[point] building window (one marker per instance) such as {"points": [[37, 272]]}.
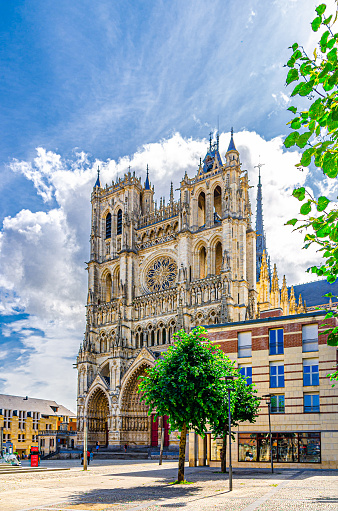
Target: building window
{"points": [[246, 372], [286, 447], [310, 338], [278, 404], [22, 419], [244, 344], [276, 341], [119, 222], [108, 226], [35, 420], [311, 403], [310, 372], [276, 375], [7, 419], [309, 447]]}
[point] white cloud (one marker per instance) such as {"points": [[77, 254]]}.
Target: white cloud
{"points": [[42, 254]]}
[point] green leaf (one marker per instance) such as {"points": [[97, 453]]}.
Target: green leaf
{"points": [[297, 55], [323, 41], [329, 166], [291, 139], [292, 76], [306, 157], [332, 339], [316, 23], [322, 203], [294, 46], [292, 222], [296, 89], [292, 109], [306, 208], [332, 55], [327, 20], [303, 139], [320, 9], [306, 88], [296, 123], [299, 193]]}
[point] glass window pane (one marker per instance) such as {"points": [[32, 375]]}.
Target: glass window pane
{"points": [[247, 447], [309, 447], [287, 449], [216, 446]]}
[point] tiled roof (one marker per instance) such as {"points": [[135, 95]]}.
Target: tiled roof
{"points": [[43, 406]]}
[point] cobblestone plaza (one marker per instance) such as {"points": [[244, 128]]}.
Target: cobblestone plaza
{"points": [[134, 486]]}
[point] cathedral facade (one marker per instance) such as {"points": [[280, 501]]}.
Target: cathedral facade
{"points": [[152, 271], [156, 269]]}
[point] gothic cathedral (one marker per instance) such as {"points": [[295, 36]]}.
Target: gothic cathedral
{"points": [[156, 269]]}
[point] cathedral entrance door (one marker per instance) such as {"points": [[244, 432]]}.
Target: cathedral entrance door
{"points": [[154, 431], [97, 414], [136, 424]]}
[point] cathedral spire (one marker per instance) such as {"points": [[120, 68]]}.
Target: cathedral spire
{"points": [[260, 240], [232, 146], [98, 178], [171, 193], [147, 184]]}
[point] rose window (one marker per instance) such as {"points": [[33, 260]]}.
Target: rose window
{"points": [[162, 274]]}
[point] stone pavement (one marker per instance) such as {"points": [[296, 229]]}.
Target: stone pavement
{"points": [[145, 486]]}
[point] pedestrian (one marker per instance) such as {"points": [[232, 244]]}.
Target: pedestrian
{"points": [[88, 457], [97, 447], [125, 447]]}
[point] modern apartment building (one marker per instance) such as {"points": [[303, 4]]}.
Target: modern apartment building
{"points": [[288, 358]]}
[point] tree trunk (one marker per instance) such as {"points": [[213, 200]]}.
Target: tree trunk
{"points": [[181, 459], [224, 452]]}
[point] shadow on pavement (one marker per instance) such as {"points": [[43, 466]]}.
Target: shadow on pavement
{"points": [[149, 493]]}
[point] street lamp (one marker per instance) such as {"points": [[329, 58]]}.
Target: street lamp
{"points": [[268, 402], [229, 389], [85, 443]]}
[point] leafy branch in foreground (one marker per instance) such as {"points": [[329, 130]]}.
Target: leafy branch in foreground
{"points": [[315, 132]]}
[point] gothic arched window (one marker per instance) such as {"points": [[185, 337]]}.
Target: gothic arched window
{"points": [[201, 210], [218, 258], [108, 226], [119, 222]]}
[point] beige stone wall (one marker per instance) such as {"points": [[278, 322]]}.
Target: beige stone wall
{"points": [[294, 419]]}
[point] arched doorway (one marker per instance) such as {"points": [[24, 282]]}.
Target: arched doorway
{"points": [[135, 424], [98, 414]]}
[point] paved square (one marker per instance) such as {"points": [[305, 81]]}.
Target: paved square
{"points": [[144, 485]]}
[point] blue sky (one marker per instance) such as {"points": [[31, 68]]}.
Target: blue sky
{"points": [[119, 83]]}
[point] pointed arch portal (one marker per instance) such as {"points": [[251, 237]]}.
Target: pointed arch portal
{"points": [[135, 420], [97, 415]]}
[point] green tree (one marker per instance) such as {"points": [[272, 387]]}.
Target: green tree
{"points": [[244, 405], [186, 385], [315, 131]]}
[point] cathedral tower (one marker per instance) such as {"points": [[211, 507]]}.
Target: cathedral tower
{"points": [[154, 270]]}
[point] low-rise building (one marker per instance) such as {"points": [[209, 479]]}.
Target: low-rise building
{"points": [[24, 419], [288, 358]]}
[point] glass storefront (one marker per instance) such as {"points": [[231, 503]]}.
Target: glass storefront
{"points": [[286, 447]]}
